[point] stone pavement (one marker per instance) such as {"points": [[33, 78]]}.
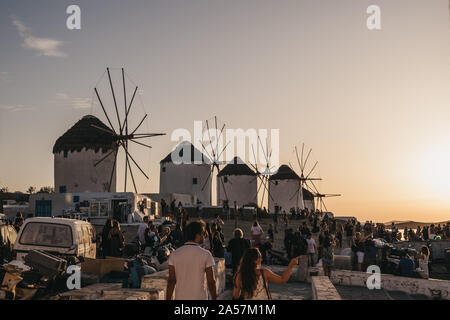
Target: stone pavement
{"points": [[288, 291]]}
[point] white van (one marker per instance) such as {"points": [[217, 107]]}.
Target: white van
{"points": [[57, 236]]}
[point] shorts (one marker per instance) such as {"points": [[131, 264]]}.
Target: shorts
{"points": [[360, 256], [327, 262]]}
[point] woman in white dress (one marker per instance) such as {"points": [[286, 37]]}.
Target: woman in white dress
{"points": [[252, 282], [424, 257]]}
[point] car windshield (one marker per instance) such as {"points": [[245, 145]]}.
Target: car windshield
{"points": [[47, 234]]}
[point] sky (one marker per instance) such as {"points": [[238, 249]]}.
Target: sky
{"points": [[373, 105]]}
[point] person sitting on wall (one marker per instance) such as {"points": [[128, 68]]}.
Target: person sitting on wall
{"points": [[405, 267]]}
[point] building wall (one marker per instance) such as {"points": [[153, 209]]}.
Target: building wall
{"points": [[239, 188], [179, 179], [282, 194], [78, 174], [64, 202]]}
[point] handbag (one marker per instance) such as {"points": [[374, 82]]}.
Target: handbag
{"points": [[266, 286]]}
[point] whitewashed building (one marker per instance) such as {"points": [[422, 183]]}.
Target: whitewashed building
{"points": [[284, 191], [240, 184], [188, 174], [126, 207], [75, 154]]}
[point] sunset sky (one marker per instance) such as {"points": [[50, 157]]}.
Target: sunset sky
{"points": [[373, 105]]}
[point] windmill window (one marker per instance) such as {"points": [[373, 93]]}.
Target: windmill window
{"points": [[76, 199], [225, 179], [66, 153], [194, 181], [62, 189], [163, 169]]}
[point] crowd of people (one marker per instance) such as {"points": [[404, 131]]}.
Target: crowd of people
{"points": [[192, 264], [112, 239], [197, 243]]}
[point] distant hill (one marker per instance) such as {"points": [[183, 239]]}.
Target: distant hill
{"points": [[413, 224]]}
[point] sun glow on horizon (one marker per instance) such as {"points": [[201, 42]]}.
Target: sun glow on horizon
{"points": [[435, 170]]}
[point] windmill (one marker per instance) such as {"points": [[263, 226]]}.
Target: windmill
{"points": [[214, 151], [264, 175], [122, 133], [304, 177], [319, 196]]}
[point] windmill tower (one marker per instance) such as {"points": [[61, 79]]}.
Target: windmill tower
{"points": [[75, 154], [281, 187], [239, 184], [189, 173], [86, 155]]}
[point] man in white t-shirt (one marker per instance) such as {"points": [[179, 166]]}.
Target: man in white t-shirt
{"points": [[188, 266], [141, 231], [311, 249]]}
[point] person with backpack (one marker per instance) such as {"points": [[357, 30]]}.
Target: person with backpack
{"points": [[237, 246], [218, 250], [116, 239], [328, 253]]}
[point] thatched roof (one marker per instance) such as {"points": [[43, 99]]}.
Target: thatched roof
{"points": [[83, 135], [236, 168], [195, 154], [307, 195], [285, 173]]}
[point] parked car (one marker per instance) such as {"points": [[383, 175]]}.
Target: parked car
{"points": [[58, 236], [8, 237]]}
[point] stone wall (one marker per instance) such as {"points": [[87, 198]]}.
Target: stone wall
{"points": [[112, 291], [432, 288], [323, 289]]}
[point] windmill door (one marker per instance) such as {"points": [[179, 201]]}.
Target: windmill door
{"points": [[43, 208]]}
